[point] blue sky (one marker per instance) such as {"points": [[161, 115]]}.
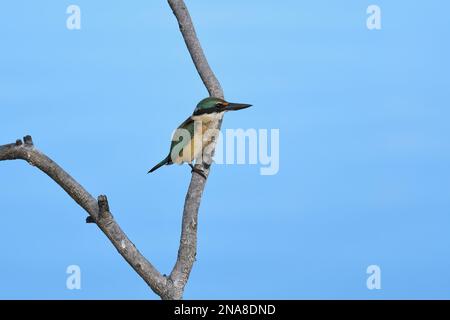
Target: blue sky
{"points": [[364, 147]]}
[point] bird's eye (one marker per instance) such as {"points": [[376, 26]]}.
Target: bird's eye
{"points": [[219, 104]]}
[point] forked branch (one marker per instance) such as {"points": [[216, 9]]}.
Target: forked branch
{"points": [[171, 287]]}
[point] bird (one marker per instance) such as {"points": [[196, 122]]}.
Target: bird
{"points": [[190, 139]]}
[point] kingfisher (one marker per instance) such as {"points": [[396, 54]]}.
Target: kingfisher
{"points": [[191, 137]]}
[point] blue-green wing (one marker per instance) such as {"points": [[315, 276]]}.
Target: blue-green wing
{"points": [[182, 137]]}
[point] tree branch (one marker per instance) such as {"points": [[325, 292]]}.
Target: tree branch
{"points": [[195, 49], [188, 242], [98, 211], [171, 287]]}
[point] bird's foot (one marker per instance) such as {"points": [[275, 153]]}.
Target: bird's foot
{"points": [[198, 171]]}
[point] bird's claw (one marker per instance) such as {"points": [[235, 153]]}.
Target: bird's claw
{"points": [[198, 171]]}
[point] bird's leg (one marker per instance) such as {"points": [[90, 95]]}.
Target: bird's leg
{"points": [[199, 171]]}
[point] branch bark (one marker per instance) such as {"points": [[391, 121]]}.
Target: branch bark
{"points": [[98, 211], [188, 242], [195, 49], [171, 287]]}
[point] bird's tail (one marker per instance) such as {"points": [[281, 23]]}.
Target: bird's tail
{"points": [[159, 165]]}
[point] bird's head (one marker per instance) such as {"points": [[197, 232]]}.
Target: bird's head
{"points": [[216, 105]]}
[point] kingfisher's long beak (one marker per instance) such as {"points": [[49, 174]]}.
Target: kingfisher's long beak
{"points": [[236, 106]]}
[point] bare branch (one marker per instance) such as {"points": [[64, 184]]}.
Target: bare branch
{"points": [[27, 152], [98, 211], [188, 242], [195, 49]]}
